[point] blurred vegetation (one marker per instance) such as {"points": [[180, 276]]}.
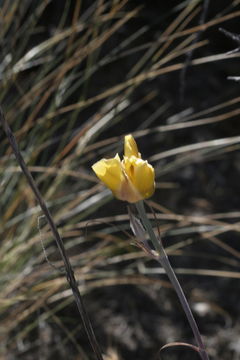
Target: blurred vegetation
{"points": [[75, 77]]}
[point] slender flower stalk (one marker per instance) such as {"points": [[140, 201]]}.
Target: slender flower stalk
{"points": [[162, 258]]}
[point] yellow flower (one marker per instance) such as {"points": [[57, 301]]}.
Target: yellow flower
{"points": [[131, 179]]}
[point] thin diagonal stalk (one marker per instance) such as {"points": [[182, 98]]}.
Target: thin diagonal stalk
{"points": [[163, 260], [68, 268], [156, 243], [177, 287]]}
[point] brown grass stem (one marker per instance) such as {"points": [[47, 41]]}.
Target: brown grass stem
{"points": [[68, 268]]}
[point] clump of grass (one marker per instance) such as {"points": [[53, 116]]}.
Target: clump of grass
{"points": [[69, 88]]}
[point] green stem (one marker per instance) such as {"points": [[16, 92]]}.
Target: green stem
{"points": [[175, 283], [163, 260], [156, 243]]}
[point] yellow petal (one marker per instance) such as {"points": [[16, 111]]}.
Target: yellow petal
{"points": [[144, 179], [141, 175], [132, 179], [109, 171], [130, 147]]}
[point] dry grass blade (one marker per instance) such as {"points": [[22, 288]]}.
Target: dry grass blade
{"points": [[68, 268]]}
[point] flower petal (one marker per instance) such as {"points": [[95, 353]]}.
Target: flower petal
{"points": [[132, 179], [130, 147], [109, 171], [141, 175], [144, 179]]}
